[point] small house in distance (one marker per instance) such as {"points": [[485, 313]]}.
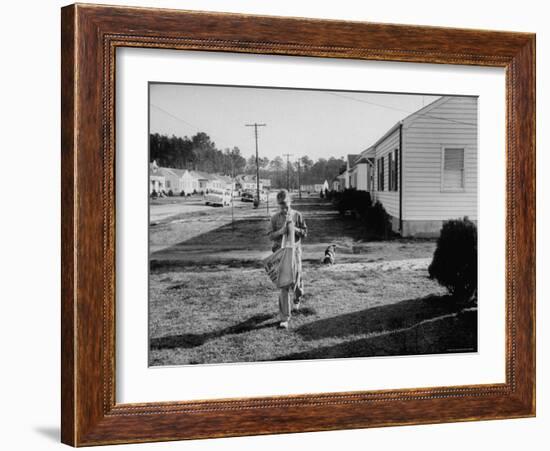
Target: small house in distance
{"points": [[189, 182], [424, 169], [349, 170], [173, 179], [339, 182], [266, 183], [247, 182], [156, 178]]}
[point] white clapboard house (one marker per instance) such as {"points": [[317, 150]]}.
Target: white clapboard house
{"points": [[156, 178], [424, 169]]}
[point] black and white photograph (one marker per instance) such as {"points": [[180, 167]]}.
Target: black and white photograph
{"points": [[299, 224]]}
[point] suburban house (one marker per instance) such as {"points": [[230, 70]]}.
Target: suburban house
{"points": [[227, 182], [184, 181], [339, 182], [215, 182], [205, 181], [156, 178], [359, 175], [424, 169], [246, 182], [172, 179], [346, 175], [307, 188], [318, 187], [189, 182]]}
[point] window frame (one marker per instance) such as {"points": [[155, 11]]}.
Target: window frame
{"points": [[390, 170], [442, 173], [380, 174], [393, 177]]}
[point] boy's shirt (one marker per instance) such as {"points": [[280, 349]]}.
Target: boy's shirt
{"points": [[278, 220]]}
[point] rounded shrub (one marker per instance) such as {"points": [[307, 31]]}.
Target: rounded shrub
{"points": [[378, 221], [454, 263], [352, 200]]}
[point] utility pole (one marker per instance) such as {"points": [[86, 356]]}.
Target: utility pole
{"points": [[256, 125], [232, 185], [299, 182], [287, 155]]}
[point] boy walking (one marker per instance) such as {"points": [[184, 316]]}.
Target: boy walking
{"points": [[282, 223]]}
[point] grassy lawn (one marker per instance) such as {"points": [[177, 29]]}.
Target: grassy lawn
{"points": [[211, 301]]}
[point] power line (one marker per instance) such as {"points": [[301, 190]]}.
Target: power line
{"points": [[175, 117], [398, 109]]}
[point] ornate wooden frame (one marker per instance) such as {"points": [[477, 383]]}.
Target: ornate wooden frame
{"points": [[90, 36]]}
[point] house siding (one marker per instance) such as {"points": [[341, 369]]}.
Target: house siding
{"points": [[361, 171], [423, 140], [189, 183], [172, 181]]}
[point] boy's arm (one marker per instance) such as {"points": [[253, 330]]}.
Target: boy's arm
{"points": [[275, 233], [300, 229]]}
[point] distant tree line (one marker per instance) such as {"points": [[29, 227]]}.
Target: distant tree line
{"points": [[200, 153]]}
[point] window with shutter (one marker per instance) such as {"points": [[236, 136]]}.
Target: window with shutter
{"points": [[453, 169], [378, 174], [395, 170], [390, 171], [381, 174]]}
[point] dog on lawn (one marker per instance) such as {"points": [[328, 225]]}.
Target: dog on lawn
{"points": [[330, 255]]}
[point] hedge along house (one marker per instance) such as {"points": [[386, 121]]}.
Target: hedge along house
{"points": [[424, 169]]}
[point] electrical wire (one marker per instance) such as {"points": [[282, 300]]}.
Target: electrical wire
{"points": [[398, 109]]}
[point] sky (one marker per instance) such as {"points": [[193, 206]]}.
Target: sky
{"points": [[319, 124]]}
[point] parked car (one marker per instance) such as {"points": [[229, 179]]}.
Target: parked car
{"points": [[247, 196], [218, 197]]}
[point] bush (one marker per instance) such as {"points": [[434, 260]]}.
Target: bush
{"points": [[352, 200], [378, 221], [454, 263], [170, 193]]}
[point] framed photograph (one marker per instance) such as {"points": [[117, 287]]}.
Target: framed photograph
{"points": [[278, 225]]}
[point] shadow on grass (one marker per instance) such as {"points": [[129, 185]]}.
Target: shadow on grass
{"points": [[453, 333], [400, 315], [193, 340], [304, 311], [324, 225]]}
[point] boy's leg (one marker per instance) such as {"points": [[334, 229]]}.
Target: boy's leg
{"points": [[284, 304], [299, 285]]}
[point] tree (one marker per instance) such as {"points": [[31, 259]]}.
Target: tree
{"points": [[263, 162], [200, 153], [305, 164], [275, 168], [251, 165], [239, 161]]}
